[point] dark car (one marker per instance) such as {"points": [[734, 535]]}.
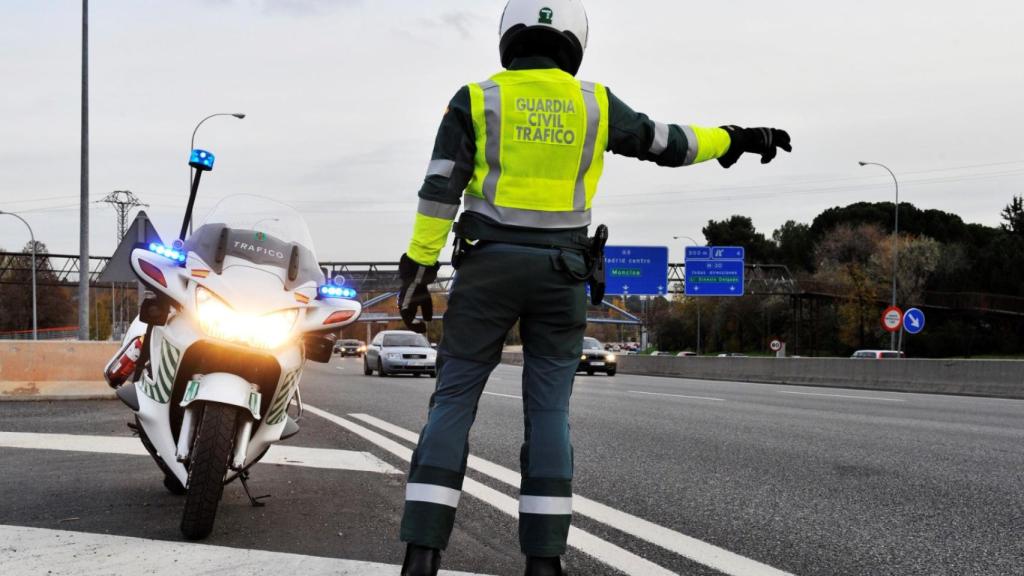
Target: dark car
{"points": [[349, 348], [596, 359]]}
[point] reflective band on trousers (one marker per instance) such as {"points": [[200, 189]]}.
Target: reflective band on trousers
{"points": [[660, 143], [432, 494], [548, 505]]}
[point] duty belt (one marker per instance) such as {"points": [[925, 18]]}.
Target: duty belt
{"points": [[470, 233]]}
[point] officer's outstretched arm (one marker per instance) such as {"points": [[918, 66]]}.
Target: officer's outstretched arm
{"points": [[635, 135]]}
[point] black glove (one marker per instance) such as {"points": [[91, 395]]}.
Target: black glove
{"points": [[763, 141], [414, 294]]}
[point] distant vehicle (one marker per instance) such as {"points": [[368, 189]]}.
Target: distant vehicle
{"points": [[349, 348], [878, 354], [732, 355], [596, 359], [400, 352], [686, 354]]}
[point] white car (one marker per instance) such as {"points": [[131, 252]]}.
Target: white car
{"points": [[400, 352]]}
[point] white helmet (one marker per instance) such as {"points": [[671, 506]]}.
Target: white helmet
{"points": [[555, 28]]}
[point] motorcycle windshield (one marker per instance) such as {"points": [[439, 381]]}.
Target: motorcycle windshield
{"points": [[261, 231]]}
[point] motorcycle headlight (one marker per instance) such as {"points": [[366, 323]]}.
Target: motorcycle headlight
{"points": [[220, 321]]}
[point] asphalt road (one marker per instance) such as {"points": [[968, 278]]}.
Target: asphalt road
{"points": [[685, 475]]}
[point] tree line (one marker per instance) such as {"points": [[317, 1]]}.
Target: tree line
{"points": [[969, 278]]}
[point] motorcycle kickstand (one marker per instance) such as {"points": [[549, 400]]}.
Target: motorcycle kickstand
{"points": [[255, 501]]}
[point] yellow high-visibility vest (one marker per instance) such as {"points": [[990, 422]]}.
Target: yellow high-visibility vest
{"points": [[540, 142]]}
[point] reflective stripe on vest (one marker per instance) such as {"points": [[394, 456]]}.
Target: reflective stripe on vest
{"points": [[541, 137]]}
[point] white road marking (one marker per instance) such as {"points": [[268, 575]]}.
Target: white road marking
{"points": [[842, 396], [126, 445], [678, 396], [504, 395], [686, 546], [604, 551], [30, 551]]}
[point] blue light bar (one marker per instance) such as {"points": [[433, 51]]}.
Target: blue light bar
{"points": [[169, 253], [202, 160], [337, 292]]}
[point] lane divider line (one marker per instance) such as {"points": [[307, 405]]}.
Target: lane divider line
{"points": [[603, 551], [678, 396], [877, 398], [29, 550], [686, 546], [328, 459]]}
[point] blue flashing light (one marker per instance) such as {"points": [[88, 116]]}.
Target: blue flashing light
{"points": [[202, 160], [337, 292], [178, 256]]}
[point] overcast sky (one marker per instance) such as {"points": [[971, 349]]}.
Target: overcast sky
{"points": [[344, 96]]}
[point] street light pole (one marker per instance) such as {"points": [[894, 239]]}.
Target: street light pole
{"points": [[83, 212], [192, 146], [35, 318], [895, 240], [695, 243]]}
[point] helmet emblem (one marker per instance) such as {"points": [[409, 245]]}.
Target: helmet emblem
{"points": [[547, 16]]}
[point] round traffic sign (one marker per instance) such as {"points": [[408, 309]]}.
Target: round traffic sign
{"points": [[913, 321], [776, 345], [892, 319]]}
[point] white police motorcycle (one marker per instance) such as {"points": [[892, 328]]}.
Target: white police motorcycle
{"points": [[213, 362]]}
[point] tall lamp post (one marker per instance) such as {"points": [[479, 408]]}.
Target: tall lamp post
{"points": [[35, 323], [895, 240], [695, 243], [192, 144]]}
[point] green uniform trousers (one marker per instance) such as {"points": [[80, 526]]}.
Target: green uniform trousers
{"points": [[497, 285]]}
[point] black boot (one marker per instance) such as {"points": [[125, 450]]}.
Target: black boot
{"points": [[421, 561], [548, 566]]}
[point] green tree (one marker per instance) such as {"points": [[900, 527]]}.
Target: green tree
{"points": [[795, 246], [740, 231], [1013, 216]]}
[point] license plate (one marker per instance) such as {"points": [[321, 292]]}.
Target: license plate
{"points": [[597, 363]]}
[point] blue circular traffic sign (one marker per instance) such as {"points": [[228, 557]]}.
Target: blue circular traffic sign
{"points": [[913, 321]]}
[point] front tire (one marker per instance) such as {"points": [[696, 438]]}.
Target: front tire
{"points": [[367, 371], [380, 369], [211, 450]]}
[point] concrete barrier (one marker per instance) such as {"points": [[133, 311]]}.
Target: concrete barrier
{"points": [[54, 370], [994, 378]]}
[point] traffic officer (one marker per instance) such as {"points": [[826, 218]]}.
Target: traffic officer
{"points": [[523, 153]]}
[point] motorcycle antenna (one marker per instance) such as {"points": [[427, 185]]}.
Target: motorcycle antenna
{"points": [[202, 161]]}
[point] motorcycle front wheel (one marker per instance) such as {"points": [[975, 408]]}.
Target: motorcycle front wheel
{"points": [[215, 439]]}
